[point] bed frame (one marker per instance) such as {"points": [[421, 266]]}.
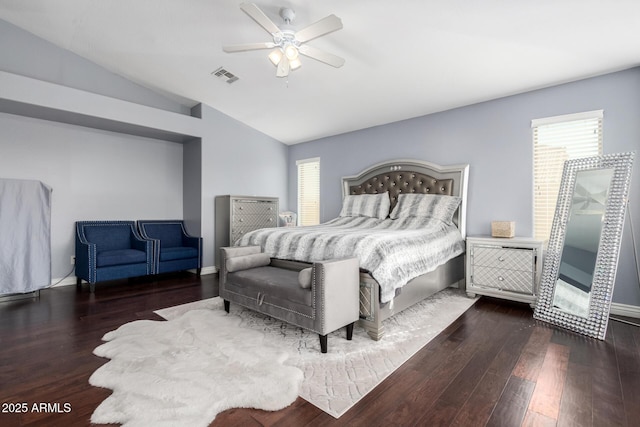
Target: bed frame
{"points": [[409, 176]]}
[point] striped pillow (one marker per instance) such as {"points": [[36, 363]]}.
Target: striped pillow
{"points": [[370, 205], [426, 205]]}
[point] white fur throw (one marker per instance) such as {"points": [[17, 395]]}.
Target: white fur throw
{"points": [[187, 370]]}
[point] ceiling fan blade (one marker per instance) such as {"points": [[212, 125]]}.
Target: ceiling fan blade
{"points": [[248, 46], [324, 26], [283, 67], [258, 15], [321, 55]]}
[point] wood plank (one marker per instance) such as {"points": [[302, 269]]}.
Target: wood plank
{"points": [[403, 394], [473, 376], [481, 403], [534, 419], [533, 355], [627, 349], [608, 400], [512, 405], [576, 407], [550, 382], [434, 374]]}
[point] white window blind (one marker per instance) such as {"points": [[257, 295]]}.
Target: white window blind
{"points": [[556, 139], [308, 191]]}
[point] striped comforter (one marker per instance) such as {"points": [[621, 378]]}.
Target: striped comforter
{"points": [[393, 251]]}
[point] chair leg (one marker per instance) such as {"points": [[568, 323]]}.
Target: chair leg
{"points": [[323, 343], [227, 305], [92, 287], [198, 270], [350, 330], [78, 283]]}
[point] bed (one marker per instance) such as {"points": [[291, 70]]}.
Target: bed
{"points": [[404, 256]]}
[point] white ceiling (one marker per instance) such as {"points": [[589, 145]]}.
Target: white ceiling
{"points": [[403, 59]]}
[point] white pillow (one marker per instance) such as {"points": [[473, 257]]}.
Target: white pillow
{"points": [[426, 206], [369, 205]]}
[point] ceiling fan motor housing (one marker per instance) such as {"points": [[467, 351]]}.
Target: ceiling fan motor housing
{"points": [[287, 15]]}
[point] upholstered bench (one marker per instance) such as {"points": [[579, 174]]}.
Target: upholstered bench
{"points": [[322, 297]]}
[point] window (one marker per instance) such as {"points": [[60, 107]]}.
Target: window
{"points": [[308, 191], [556, 139]]}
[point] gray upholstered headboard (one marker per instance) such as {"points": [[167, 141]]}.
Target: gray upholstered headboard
{"points": [[412, 176]]}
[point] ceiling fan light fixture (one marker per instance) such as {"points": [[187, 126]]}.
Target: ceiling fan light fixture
{"points": [[295, 63], [275, 56], [291, 51]]}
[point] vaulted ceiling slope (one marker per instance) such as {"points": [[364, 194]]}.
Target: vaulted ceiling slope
{"points": [[403, 59]]}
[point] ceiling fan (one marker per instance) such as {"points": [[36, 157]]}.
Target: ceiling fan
{"points": [[287, 43]]}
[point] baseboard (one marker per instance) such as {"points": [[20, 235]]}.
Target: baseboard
{"points": [[209, 270], [206, 270], [618, 309], [71, 280], [16, 297]]}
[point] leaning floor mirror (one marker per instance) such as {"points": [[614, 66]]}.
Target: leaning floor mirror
{"points": [[580, 265]]}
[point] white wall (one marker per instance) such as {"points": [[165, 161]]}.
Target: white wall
{"points": [[95, 175]]}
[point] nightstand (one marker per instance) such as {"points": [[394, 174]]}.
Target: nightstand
{"points": [[508, 268]]}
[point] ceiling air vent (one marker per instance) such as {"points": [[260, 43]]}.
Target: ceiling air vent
{"points": [[225, 75]]}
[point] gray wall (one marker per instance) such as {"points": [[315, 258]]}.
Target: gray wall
{"points": [[239, 160], [495, 139], [95, 175], [107, 175], [192, 186], [28, 55]]}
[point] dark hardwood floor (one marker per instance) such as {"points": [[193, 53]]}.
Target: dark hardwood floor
{"points": [[494, 366]]}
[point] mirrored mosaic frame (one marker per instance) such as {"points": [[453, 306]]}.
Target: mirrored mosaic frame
{"points": [[595, 325]]}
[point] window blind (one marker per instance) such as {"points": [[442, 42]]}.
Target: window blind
{"points": [[308, 191], [555, 140]]}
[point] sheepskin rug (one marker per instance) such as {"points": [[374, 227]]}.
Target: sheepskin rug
{"points": [[202, 361], [187, 370]]}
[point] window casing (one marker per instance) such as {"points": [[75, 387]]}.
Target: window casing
{"points": [[555, 140], [309, 191]]}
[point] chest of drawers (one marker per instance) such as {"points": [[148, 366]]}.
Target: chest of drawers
{"points": [[237, 215], [504, 268]]}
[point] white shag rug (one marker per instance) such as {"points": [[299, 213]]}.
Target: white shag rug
{"points": [[186, 371], [205, 361]]}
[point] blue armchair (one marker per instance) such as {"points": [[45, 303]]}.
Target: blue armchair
{"points": [[174, 249], [110, 250]]}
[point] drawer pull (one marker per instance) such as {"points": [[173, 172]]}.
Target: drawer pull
{"points": [[270, 219], [240, 220], [500, 259], [500, 278], [240, 207]]}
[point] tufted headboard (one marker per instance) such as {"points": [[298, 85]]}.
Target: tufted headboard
{"points": [[412, 176]]}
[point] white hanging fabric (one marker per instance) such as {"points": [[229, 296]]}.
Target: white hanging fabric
{"points": [[25, 236]]}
